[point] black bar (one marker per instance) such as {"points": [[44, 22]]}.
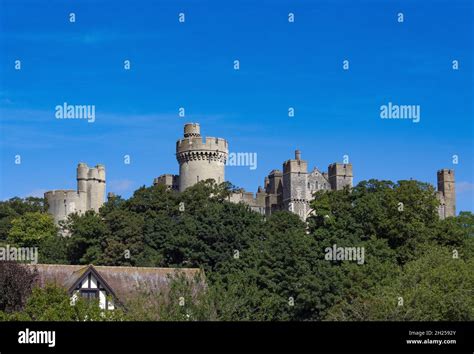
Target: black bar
{"points": [[241, 336]]}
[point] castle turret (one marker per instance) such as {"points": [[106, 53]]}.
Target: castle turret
{"points": [[446, 193], [192, 130], [92, 188], [340, 175], [82, 180], [200, 159], [298, 155], [100, 189], [82, 171], [295, 178]]}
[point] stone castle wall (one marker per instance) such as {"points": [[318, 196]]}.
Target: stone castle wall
{"points": [[61, 203]]}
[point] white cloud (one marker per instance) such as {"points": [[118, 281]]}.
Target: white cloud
{"points": [[464, 187], [119, 185], [38, 193]]}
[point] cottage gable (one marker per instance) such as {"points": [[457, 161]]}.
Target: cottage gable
{"points": [[91, 285]]}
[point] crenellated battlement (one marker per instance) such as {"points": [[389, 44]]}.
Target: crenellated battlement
{"points": [[340, 175], [295, 166], [255, 202], [168, 180], [86, 173], [199, 143], [61, 194], [445, 175]]}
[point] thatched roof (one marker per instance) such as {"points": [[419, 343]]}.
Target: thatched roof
{"points": [[123, 281]]}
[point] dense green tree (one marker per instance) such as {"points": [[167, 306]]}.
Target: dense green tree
{"points": [[31, 229], [123, 243], [405, 214], [193, 228], [286, 268], [85, 233], [275, 268], [184, 299], [434, 287], [53, 303], [466, 220], [14, 208], [395, 223], [54, 250]]}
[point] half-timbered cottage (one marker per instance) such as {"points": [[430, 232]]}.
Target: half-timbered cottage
{"points": [[110, 285]]}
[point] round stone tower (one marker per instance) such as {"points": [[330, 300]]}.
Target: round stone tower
{"points": [[200, 159], [82, 171]]}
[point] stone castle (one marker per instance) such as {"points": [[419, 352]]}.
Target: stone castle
{"points": [[90, 194], [200, 159]]}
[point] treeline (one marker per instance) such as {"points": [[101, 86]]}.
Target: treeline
{"points": [[415, 266]]}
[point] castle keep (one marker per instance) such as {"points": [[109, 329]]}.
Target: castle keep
{"points": [[199, 158], [89, 195]]}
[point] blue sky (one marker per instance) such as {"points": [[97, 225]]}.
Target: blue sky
{"points": [[190, 65]]}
